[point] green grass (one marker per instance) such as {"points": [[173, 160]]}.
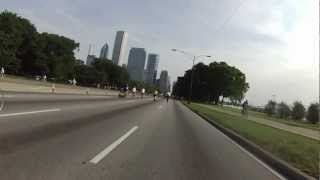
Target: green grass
{"points": [[265, 116], [299, 151]]}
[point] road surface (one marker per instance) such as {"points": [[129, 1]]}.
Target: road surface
{"points": [[74, 137]]}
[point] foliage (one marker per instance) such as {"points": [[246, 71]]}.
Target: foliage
{"points": [[313, 113], [270, 108], [24, 51], [212, 81], [284, 110], [298, 111]]}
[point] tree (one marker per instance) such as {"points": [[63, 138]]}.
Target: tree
{"points": [[18, 40], [313, 113], [298, 111], [284, 110], [270, 108], [58, 55], [211, 82]]}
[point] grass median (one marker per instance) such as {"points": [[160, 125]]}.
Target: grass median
{"points": [[299, 151]]}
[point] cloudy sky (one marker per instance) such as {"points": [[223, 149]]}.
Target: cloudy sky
{"points": [[275, 42]]}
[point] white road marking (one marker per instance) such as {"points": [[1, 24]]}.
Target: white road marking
{"points": [[253, 157], [29, 112], [111, 147]]}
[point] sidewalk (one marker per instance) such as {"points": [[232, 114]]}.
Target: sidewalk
{"points": [[313, 134], [25, 85]]}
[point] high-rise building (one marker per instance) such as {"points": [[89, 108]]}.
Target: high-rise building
{"points": [[164, 83], [136, 63], [119, 47], [90, 59], [152, 67], [104, 51]]}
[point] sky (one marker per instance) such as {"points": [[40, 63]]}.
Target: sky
{"points": [[275, 42]]}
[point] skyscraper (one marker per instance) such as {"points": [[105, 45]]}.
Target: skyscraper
{"points": [[164, 83], [152, 67], [136, 63], [119, 47], [104, 51]]}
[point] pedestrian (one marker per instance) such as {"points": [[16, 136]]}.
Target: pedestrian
{"points": [[245, 107], [44, 78], [142, 92], [134, 90], [74, 82], [155, 95], [167, 96], [2, 72]]}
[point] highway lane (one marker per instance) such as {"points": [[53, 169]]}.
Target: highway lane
{"points": [[133, 139]]}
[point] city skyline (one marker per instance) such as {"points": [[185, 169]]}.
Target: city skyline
{"points": [[136, 63], [152, 68], [120, 45], [104, 51], [257, 37]]}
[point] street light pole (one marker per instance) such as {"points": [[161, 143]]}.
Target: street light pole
{"points": [[191, 82]]}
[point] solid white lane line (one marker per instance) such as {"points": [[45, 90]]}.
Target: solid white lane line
{"points": [[29, 112], [111, 147], [253, 157]]}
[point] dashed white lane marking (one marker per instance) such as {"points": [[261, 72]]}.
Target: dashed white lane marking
{"points": [[29, 112], [111, 147]]}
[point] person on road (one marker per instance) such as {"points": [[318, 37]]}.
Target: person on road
{"points": [[2, 72], [167, 96], [134, 90], [155, 95], [142, 92]]}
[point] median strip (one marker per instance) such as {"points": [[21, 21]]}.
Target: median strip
{"points": [[30, 112], [111, 147]]}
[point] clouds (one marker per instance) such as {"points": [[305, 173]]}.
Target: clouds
{"points": [[274, 42]]}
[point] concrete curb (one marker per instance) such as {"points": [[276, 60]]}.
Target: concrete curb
{"points": [[277, 164]]}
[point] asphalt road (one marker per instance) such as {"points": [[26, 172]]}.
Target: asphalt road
{"points": [[75, 137]]}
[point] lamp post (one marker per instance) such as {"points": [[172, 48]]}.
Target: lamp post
{"points": [[193, 61]]}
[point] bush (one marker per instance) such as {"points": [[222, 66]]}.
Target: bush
{"points": [[298, 111], [284, 110], [313, 113], [270, 108]]}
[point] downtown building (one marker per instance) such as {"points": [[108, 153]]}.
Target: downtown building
{"points": [[104, 51], [136, 63], [164, 82], [120, 44], [151, 70]]}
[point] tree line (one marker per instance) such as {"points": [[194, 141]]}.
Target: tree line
{"points": [[25, 51], [297, 112], [212, 82]]}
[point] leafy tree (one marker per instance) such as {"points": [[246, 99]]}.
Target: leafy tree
{"points": [[85, 75], [284, 110], [298, 111], [18, 42], [211, 82], [58, 55], [313, 113], [270, 108]]}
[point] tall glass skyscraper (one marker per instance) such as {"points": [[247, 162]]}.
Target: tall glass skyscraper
{"points": [[136, 63], [104, 51], [164, 82], [119, 47], [152, 67]]}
